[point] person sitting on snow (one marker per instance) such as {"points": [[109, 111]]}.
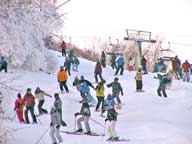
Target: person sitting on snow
{"points": [[85, 116]]}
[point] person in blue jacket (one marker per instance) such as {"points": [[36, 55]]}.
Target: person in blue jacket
{"points": [[120, 65]]}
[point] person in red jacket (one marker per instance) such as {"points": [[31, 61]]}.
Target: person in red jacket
{"points": [[29, 100], [98, 71], [19, 105], [63, 48], [186, 71]]}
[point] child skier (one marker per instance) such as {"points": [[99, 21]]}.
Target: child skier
{"points": [[19, 105], [138, 78], [85, 116], [55, 125], [111, 119]]}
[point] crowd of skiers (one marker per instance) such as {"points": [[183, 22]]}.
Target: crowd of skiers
{"points": [[83, 87]]}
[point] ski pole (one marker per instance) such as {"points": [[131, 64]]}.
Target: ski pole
{"points": [[104, 131], [42, 136], [97, 122]]}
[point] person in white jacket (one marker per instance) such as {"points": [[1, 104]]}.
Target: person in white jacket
{"points": [[55, 125]]}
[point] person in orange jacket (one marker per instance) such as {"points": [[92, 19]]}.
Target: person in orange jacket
{"points": [[62, 79], [19, 105]]}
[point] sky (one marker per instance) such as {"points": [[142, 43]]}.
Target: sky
{"points": [[104, 18]]}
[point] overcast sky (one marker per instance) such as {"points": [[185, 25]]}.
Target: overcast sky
{"points": [[170, 18]]}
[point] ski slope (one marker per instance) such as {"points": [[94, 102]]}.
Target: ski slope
{"points": [[144, 118]]}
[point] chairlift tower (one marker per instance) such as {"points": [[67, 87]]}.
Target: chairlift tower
{"points": [[139, 37]]}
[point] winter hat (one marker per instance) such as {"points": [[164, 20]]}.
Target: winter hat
{"points": [[56, 95], [61, 67], [85, 104], [109, 96], [82, 77], [19, 95], [116, 79], [28, 89]]}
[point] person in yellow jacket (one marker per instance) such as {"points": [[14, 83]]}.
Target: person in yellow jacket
{"points": [[62, 79], [138, 78], [40, 96], [100, 95]]}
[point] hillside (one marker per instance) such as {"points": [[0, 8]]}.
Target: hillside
{"points": [[145, 118]]}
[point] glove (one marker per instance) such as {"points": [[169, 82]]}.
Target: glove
{"points": [[76, 114], [63, 124], [14, 109], [122, 93], [106, 120], [51, 124], [57, 126]]}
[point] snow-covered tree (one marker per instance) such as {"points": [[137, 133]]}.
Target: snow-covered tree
{"points": [[23, 25]]}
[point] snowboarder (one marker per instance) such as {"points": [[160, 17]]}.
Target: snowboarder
{"points": [[58, 107], [163, 79], [120, 65], [144, 64], [29, 100], [63, 48], [100, 94], [40, 96], [75, 63], [138, 78], [98, 71], [62, 79], [186, 71], [55, 125], [3, 64], [85, 91], [103, 59], [85, 116], [116, 89], [19, 105], [111, 120]]}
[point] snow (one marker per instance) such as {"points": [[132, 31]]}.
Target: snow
{"points": [[145, 118]]}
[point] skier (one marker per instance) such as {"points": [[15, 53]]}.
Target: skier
{"points": [[29, 100], [40, 96], [103, 59], [163, 79], [67, 65], [108, 103], [100, 95], [58, 107], [98, 71], [19, 105], [113, 60], [3, 64], [116, 89], [186, 71], [144, 65], [55, 125], [62, 79], [138, 78], [75, 63], [63, 48], [77, 84], [111, 119], [71, 56], [176, 63], [120, 65], [85, 116], [85, 91]]}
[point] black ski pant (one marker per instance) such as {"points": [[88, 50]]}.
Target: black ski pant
{"points": [[139, 84], [162, 88], [121, 68], [3, 68], [100, 101], [63, 52], [40, 109], [63, 84], [103, 63], [100, 76], [31, 109]]}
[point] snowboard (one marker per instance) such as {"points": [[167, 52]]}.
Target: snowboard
{"points": [[120, 140], [81, 133]]}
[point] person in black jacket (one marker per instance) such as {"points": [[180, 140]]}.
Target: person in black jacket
{"points": [[111, 119], [85, 116]]}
